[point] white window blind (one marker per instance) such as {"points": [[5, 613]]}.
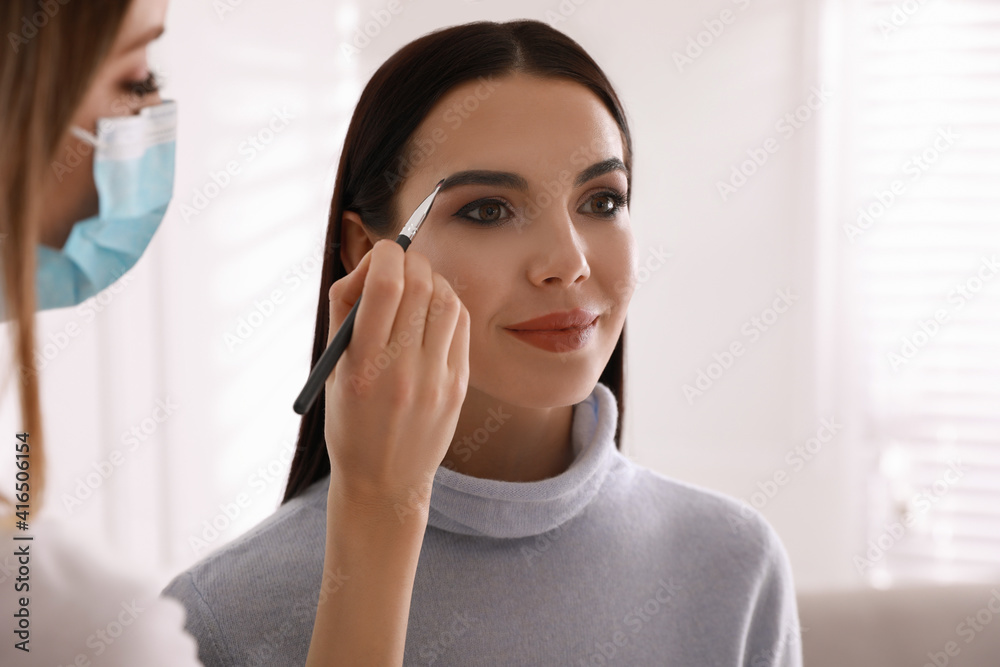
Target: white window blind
{"points": [[920, 237]]}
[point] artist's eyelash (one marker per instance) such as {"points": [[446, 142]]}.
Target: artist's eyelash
{"points": [[147, 86], [620, 202]]}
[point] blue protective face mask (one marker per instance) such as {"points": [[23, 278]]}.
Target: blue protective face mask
{"points": [[134, 175]]}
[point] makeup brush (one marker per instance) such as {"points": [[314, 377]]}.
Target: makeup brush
{"points": [[321, 371]]}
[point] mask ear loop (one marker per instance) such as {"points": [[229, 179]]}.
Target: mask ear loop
{"points": [[81, 133]]}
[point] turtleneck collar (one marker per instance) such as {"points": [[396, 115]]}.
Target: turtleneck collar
{"points": [[493, 508]]}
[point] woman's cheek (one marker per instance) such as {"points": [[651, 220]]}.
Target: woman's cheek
{"points": [[632, 261], [621, 273]]}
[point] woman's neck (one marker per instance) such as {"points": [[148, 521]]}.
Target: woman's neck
{"points": [[495, 440]]}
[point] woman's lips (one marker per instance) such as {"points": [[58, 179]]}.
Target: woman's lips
{"points": [[558, 340], [578, 317]]}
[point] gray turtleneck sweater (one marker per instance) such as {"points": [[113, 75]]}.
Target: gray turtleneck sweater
{"points": [[608, 563]]}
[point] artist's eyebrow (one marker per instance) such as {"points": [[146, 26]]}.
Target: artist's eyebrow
{"points": [[507, 179], [143, 39]]}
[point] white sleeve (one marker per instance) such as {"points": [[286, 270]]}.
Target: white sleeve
{"points": [[79, 611]]}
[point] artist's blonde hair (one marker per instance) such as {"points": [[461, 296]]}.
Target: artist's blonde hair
{"points": [[50, 55]]}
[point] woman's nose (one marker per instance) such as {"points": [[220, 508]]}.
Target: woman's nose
{"points": [[561, 249]]}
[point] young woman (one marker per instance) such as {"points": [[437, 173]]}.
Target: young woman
{"points": [[66, 66], [487, 367]]}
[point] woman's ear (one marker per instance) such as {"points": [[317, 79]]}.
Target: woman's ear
{"points": [[354, 241]]}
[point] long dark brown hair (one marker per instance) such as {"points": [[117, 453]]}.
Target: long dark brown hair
{"points": [[372, 164]]}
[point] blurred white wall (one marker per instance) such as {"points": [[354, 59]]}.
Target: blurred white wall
{"points": [[247, 243]]}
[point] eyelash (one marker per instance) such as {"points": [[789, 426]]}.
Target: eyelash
{"points": [[620, 202], [147, 86]]}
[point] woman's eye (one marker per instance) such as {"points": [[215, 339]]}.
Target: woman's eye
{"points": [[608, 204], [488, 211]]}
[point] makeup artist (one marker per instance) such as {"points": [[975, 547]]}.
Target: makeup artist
{"points": [[86, 172]]}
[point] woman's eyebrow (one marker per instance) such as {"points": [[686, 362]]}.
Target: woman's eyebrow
{"points": [[507, 179], [599, 169]]}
